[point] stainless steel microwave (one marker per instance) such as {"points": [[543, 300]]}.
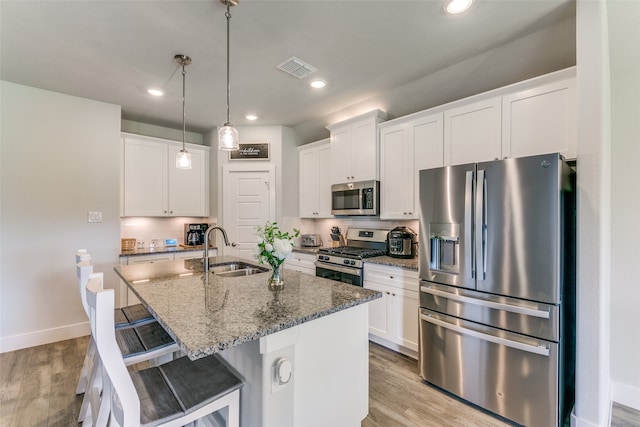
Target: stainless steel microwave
{"points": [[356, 198]]}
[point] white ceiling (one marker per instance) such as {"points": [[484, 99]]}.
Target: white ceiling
{"points": [[113, 51]]}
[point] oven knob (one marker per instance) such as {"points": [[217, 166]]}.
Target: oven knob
{"points": [[346, 261], [352, 262]]}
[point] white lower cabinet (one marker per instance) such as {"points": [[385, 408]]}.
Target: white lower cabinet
{"points": [[302, 262], [393, 319]]}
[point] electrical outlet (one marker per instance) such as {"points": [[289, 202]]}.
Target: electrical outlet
{"points": [[94, 216]]}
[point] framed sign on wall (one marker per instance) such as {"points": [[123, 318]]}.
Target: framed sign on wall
{"points": [[251, 151]]}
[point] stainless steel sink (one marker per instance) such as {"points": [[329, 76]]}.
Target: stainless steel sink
{"points": [[225, 269], [233, 269]]}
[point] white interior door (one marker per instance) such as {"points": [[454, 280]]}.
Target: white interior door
{"points": [[248, 201]]}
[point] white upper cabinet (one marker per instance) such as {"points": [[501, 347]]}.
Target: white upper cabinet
{"points": [[537, 116], [472, 132], [354, 148], [540, 120], [406, 147], [315, 185], [188, 188], [153, 186]]}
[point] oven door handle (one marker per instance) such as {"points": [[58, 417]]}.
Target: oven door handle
{"points": [[541, 350], [340, 269]]}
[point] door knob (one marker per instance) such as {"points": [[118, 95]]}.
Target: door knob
{"points": [[234, 244]]}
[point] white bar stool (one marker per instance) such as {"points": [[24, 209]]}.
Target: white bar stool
{"points": [[174, 394]]}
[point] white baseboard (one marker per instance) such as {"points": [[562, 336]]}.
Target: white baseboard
{"points": [[625, 395], [47, 336], [393, 346], [577, 421]]}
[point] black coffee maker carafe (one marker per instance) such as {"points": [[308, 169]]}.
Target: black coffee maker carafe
{"points": [[194, 234]]}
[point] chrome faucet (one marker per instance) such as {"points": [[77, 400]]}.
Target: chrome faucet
{"points": [[206, 243]]}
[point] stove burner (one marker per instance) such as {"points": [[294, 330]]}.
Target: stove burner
{"points": [[353, 251]]}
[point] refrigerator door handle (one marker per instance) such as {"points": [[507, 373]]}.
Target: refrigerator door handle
{"points": [[469, 254], [479, 228], [544, 314], [541, 350]]}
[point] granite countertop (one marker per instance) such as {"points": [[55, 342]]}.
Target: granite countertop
{"points": [[408, 263], [208, 313], [163, 249], [306, 249]]}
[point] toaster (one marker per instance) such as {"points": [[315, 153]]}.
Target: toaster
{"points": [[310, 240]]}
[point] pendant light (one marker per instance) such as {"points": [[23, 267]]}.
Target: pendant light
{"points": [[228, 135], [183, 158]]}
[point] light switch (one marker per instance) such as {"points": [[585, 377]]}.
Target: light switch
{"points": [[94, 216]]}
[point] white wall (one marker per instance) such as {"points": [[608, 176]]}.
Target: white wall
{"points": [[282, 153], [624, 37], [161, 132], [60, 157], [593, 263]]}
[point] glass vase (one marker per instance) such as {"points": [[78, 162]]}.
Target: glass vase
{"points": [[275, 281]]}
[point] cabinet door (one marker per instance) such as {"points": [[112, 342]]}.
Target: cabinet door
{"points": [[145, 178], [341, 155], [364, 150], [428, 152], [540, 120], [472, 133], [324, 182], [379, 311], [188, 188], [405, 309], [308, 163], [396, 173]]}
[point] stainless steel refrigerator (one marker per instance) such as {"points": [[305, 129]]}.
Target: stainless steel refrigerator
{"points": [[497, 290]]}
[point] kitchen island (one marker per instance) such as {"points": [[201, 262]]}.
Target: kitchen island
{"points": [[302, 351]]}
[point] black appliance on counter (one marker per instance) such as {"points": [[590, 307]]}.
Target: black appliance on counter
{"points": [[344, 263], [194, 234], [401, 243]]}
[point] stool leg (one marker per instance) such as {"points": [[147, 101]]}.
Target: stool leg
{"points": [[86, 366]]}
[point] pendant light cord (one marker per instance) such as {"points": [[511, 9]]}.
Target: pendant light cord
{"points": [[184, 117], [228, 15]]}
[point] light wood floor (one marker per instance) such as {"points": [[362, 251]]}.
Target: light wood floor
{"points": [[37, 389]]}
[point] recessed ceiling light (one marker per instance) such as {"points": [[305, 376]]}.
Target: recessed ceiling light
{"points": [[251, 117], [457, 6], [155, 92], [317, 84]]}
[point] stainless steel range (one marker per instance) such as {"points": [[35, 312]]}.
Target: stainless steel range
{"points": [[344, 263]]}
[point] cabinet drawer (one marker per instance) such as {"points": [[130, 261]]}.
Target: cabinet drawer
{"points": [[193, 254], [297, 260], [150, 258], [392, 276]]}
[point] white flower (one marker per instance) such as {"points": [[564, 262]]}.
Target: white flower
{"points": [[283, 247], [260, 240], [268, 247]]}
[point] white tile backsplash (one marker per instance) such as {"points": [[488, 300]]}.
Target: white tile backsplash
{"points": [[146, 229]]}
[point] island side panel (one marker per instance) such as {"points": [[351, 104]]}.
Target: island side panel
{"points": [[332, 370], [329, 385]]}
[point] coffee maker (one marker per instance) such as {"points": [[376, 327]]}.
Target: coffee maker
{"points": [[194, 234]]}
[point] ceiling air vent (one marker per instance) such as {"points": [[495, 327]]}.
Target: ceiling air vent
{"points": [[297, 67]]}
